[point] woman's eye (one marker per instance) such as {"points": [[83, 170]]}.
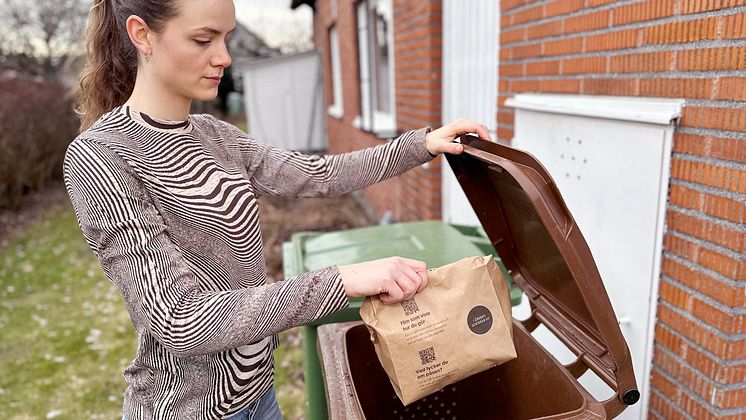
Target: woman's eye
{"points": [[202, 41]]}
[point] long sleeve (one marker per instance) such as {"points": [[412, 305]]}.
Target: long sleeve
{"points": [[162, 294], [274, 171]]}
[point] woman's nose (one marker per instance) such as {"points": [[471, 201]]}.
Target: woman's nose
{"points": [[222, 58]]}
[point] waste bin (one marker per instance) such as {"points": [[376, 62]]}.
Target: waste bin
{"points": [[434, 242], [524, 216]]}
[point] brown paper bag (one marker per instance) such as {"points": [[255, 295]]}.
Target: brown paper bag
{"points": [[461, 324]]}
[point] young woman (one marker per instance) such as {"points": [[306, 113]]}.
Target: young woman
{"points": [[167, 202]]}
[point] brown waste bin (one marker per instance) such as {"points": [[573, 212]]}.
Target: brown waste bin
{"points": [[536, 237]]}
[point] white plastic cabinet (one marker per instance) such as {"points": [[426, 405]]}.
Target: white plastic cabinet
{"points": [[610, 158]]}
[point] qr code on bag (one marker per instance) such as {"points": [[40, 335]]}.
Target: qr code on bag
{"points": [[427, 355], [410, 306]]}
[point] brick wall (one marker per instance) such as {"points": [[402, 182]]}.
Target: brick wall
{"points": [[668, 48], [417, 48]]}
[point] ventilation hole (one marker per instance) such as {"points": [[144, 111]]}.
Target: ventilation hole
{"points": [[453, 389], [585, 160], [562, 156], [435, 398], [572, 158], [567, 175], [578, 176], [567, 138], [580, 141], [442, 405], [453, 403], [448, 411]]}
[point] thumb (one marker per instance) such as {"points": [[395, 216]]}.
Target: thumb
{"points": [[455, 148]]}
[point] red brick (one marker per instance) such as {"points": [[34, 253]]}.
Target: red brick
{"points": [[692, 356], [505, 117], [724, 264], [542, 67], [528, 15], [584, 65], [641, 62], [563, 46], [721, 148], [596, 3], [725, 293], [612, 40], [734, 26], [722, 321], [504, 133], [699, 6], [511, 36], [714, 343], [731, 88], [711, 59], [562, 7], [706, 230], [643, 11], [626, 87], [517, 86], [525, 51], [676, 88], [717, 206], [561, 86], [506, 5], [678, 32], [512, 70], [587, 22], [730, 179], [544, 30]]}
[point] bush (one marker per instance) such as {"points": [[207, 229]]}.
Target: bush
{"points": [[37, 122]]}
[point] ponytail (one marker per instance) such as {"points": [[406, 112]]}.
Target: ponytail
{"points": [[108, 75]]}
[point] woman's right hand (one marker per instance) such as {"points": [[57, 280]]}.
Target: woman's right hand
{"points": [[393, 279]]}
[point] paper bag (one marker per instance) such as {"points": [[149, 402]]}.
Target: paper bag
{"points": [[461, 324]]}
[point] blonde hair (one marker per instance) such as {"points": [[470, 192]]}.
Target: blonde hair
{"points": [[108, 75]]}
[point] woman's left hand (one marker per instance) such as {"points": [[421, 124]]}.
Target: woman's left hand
{"points": [[441, 140]]}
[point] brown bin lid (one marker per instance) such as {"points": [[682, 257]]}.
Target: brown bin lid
{"points": [[529, 225]]}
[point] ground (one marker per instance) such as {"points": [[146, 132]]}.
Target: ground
{"points": [[65, 334]]}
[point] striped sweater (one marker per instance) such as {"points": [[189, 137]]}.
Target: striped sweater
{"points": [[170, 209]]}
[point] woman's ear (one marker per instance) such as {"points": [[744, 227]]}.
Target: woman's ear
{"points": [[139, 34]]}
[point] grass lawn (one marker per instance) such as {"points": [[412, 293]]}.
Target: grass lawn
{"points": [[65, 337]]}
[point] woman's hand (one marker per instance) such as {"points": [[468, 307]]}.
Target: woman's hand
{"points": [[393, 279], [441, 140]]}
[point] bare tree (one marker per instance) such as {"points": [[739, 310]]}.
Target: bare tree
{"points": [[37, 35]]}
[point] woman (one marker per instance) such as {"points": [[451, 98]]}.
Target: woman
{"points": [[167, 201]]}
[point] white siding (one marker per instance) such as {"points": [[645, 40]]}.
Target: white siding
{"points": [[284, 102], [470, 57]]}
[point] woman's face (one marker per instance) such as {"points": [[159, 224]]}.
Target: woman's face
{"points": [[190, 54]]}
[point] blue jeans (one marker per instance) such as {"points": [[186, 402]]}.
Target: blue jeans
{"points": [[265, 408]]}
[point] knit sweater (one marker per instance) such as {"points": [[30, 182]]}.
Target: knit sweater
{"points": [[170, 209]]}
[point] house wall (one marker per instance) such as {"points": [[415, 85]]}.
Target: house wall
{"points": [[667, 48], [417, 47]]}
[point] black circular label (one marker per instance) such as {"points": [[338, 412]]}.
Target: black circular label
{"points": [[479, 320]]}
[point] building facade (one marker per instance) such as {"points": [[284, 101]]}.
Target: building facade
{"points": [[383, 69]]}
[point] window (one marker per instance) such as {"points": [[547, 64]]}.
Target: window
{"points": [[376, 50], [336, 108]]}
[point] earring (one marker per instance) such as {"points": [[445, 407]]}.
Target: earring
{"points": [[147, 56]]}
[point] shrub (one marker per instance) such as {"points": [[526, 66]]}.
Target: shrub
{"points": [[37, 122]]}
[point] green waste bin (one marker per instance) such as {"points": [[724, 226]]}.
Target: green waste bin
{"points": [[434, 242]]}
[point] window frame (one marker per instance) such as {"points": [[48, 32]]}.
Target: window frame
{"points": [[371, 119]]}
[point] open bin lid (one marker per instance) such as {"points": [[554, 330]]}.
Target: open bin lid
{"points": [[529, 225]]}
